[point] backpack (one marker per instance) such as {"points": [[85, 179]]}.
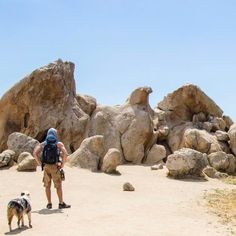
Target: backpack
{"points": [[50, 153]]}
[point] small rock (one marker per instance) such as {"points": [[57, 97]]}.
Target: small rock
{"points": [[128, 187], [157, 167], [26, 162], [213, 173], [6, 158]]}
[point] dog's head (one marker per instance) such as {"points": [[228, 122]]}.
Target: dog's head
{"points": [[25, 194]]}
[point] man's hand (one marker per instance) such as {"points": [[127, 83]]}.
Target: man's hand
{"points": [[36, 154], [60, 165]]}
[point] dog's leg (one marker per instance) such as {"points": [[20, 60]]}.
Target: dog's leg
{"points": [[29, 218], [22, 221], [9, 217], [18, 220]]}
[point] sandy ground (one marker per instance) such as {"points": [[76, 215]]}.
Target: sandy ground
{"points": [[159, 205]]}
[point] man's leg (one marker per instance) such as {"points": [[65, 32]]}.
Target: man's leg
{"points": [[59, 193], [48, 192], [62, 204], [47, 179], [58, 184]]}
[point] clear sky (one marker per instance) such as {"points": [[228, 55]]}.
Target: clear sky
{"points": [[119, 45]]}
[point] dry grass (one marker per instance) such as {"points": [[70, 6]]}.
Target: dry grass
{"points": [[223, 204], [229, 180]]}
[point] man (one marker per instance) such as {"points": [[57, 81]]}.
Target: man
{"points": [[51, 163]]}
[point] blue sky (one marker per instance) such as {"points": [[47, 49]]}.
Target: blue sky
{"points": [[119, 45]]}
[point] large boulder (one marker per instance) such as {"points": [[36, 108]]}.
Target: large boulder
{"points": [[87, 103], [186, 135], [128, 127], [228, 121], [111, 160], [232, 138], [181, 105], [218, 123], [7, 158], [199, 117], [156, 154], [175, 137], [222, 136], [89, 154], [46, 98], [137, 135], [26, 162], [19, 143], [103, 123], [222, 161], [186, 162], [194, 121], [201, 141], [225, 147]]}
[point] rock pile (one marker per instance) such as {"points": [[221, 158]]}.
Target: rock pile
{"points": [[187, 130]]}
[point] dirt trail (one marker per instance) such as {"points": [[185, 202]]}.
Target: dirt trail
{"points": [[158, 206]]}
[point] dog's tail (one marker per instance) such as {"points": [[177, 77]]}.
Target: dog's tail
{"points": [[11, 212], [14, 207]]}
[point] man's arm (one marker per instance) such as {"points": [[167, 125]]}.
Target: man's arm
{"points": [[36, 153], [64, 153]]}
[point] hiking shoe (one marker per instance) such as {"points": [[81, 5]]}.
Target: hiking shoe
{"points": [[63, 205], [49, 206]]}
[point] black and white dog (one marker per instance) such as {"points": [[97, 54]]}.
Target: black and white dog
{"points": [[19, 207]]}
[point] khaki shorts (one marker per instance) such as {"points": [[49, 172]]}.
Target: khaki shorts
{"points": [[51, 172]]}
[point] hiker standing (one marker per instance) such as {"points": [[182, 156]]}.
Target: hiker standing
{"points": [[53, 158]]}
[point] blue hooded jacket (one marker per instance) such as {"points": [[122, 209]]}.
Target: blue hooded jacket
{"points": [[48, 153], [52, 136]]}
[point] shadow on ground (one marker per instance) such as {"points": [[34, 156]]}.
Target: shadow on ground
{"points": [[48, 212], [17, 230]]}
